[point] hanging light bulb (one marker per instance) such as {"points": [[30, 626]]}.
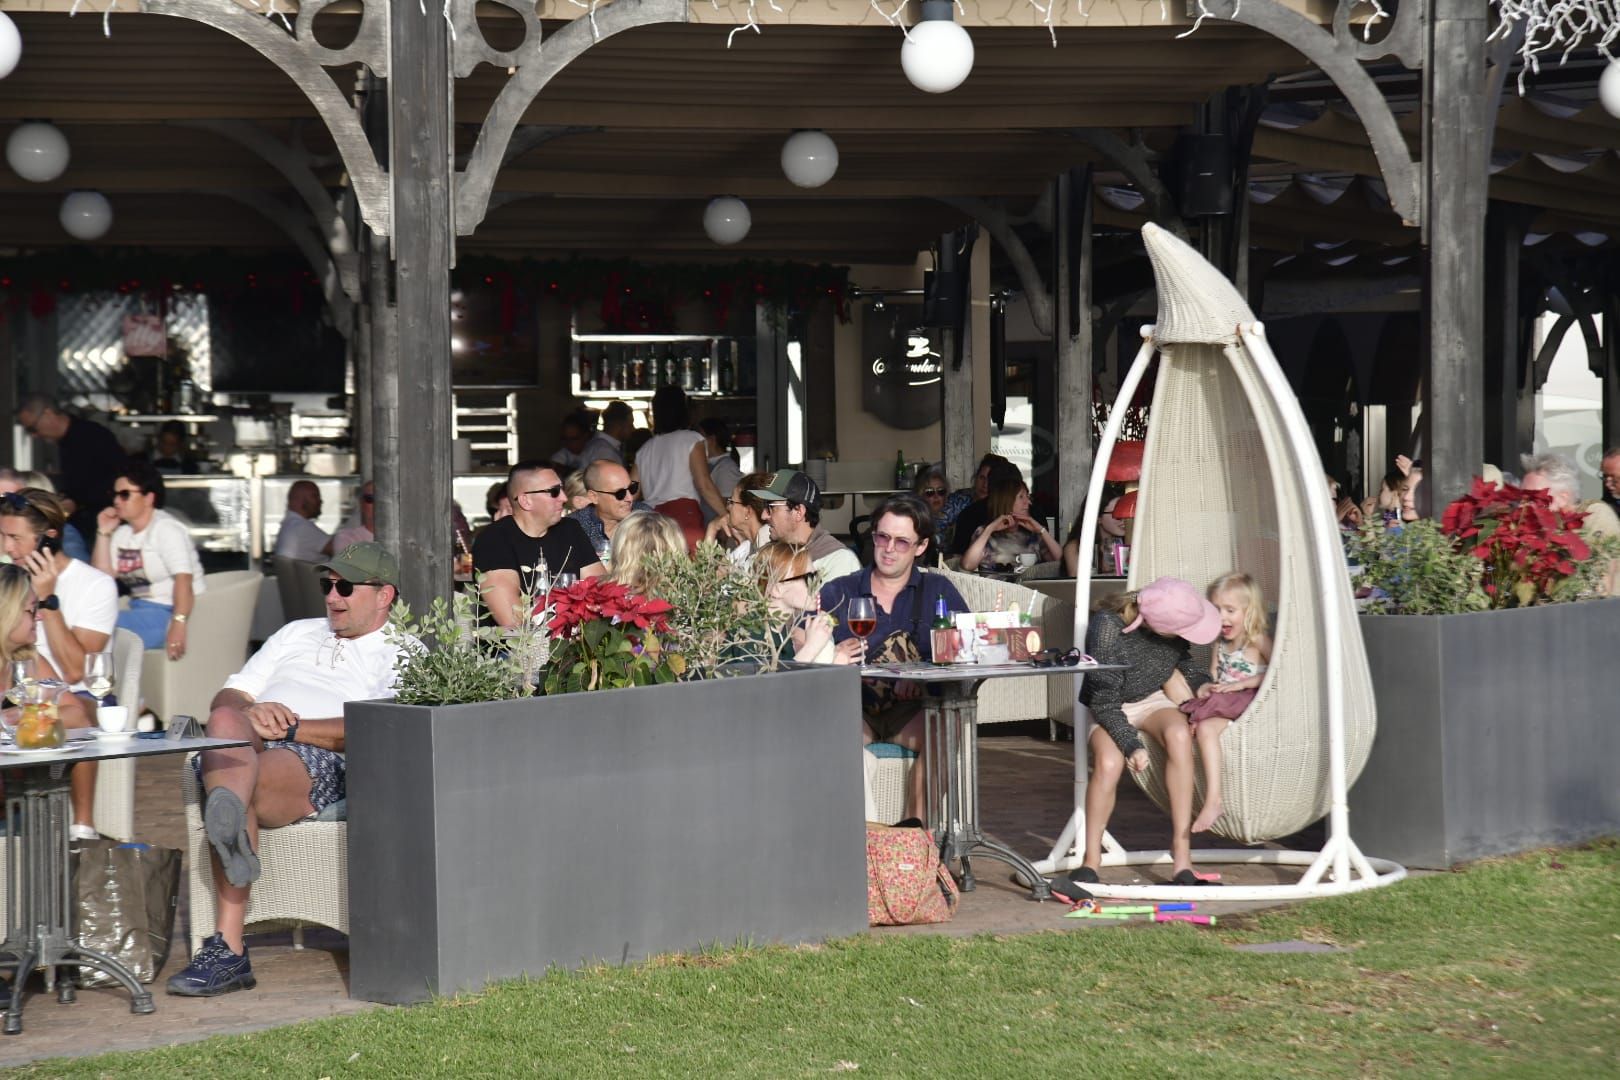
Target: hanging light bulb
{"points": [[809, 158], [1609, 88], [86, 215], [937, 54], [37, 151], [10, 45], [726, 219]]}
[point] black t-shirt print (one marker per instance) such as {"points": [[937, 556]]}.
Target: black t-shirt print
{"points": [[504, 546]]}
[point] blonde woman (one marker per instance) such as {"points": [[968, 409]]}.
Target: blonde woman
{"points": [[575, 491], [1011, 531], [787, 573], [639, 538], [19, 616]]}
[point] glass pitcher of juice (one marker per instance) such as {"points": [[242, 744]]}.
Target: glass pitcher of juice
{"points": [[39, 725]]}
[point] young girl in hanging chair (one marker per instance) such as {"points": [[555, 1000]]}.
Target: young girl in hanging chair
{"points": [[1236, 666]]}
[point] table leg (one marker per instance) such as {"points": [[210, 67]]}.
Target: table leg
{"points": [[951, 757], [39, 894]]}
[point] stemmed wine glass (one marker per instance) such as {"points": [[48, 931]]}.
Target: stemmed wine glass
{"points": [[98, 674], [862, 616], [22, 672]]}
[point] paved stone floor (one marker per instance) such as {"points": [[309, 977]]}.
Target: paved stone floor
{"points": [[1025, 790]]}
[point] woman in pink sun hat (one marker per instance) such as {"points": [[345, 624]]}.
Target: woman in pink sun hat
{"points": [[1150, 633]]}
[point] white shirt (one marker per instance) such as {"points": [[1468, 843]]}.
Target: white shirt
{"points": [[664, 464], [147, 561], [301, 538], [312, 671], [89, 601], [602, 447]]}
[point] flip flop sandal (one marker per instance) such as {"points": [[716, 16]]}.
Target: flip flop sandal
{"points": [[1068, 890], [1085, 875], [1187, 877]]}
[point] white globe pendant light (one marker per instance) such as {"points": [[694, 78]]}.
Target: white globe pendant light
{"points": [[37, 152], [809, 158], [937, 54], [10, 45], [1609, 88], [86, 215], [726, 219]]}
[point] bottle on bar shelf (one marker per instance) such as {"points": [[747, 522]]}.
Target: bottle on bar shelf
{"points": [[585, 385], [899, 470]]}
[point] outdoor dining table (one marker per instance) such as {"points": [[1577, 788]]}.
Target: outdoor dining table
{"points": [[39, 890], [950, 757]]}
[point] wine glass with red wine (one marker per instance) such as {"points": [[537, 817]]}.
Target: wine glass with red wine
{"points": [[862, 615]]}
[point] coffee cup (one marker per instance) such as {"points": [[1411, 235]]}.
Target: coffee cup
{"points": [[113, 719]]}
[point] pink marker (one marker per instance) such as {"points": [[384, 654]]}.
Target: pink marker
{"points": [[1201, 920]]}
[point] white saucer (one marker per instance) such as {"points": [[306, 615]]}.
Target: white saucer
{"points": [[115, 735]]}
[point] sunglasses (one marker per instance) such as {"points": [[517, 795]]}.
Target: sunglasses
{"points": [[124, 493], [551, 492], [345, 587], [901, 544], [11, 500], [1059, 658], [365, 498], [806, 576], [633, 490], [932, 492]]}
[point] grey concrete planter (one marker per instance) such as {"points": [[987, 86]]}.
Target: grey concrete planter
{"points": [[1497, 732], [492, 840]]}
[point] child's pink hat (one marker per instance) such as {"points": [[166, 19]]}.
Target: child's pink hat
{"points": [[1173, 608]]}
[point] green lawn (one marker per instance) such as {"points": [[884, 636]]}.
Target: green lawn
{"points": [[1509, 968]]}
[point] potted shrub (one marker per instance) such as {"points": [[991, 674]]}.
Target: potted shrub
{"points": [[1495, 707], [615, 802]]}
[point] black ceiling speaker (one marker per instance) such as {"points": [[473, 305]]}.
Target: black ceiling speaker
{"points": [[1205, 166]]}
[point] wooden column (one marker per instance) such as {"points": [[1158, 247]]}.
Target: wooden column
{"points": [[1611, 369], [956, 428], [415, 493], [1504, 240], [1454, 163], [1071, 339]]}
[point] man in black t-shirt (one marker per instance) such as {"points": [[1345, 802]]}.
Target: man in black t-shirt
{"points": [[507, 555], [89, 457]]}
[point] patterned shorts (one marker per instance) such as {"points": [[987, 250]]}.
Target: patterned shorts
{"points": [[328, 772]]}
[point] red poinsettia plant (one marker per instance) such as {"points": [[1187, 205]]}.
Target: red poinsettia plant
{"points": [[607, 636], [1530, 550]]}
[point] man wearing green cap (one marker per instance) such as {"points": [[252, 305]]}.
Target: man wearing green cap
{"points": [[793, 511], [288, 704]]}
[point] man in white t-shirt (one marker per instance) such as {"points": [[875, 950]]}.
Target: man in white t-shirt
{"points": [[288, 703], [299, 536]]}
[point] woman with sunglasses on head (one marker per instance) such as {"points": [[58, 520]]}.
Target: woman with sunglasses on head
{"points": [[151, 554], [31, 525], [72, 539], [1010, 533], [20, 610]]}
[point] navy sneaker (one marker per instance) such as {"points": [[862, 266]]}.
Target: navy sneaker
{"points": [[213, 971]]}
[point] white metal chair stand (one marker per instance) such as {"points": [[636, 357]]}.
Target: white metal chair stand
{"points": [[1232, 480]]}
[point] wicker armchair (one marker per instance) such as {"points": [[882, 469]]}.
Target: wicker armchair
{"points": [[887, 766], [305, 876], [115, 780]]}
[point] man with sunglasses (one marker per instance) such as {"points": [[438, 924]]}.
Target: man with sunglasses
{"points": [[904, 598], [614, 497], [288, 704], [793, 511], [508, 554]]}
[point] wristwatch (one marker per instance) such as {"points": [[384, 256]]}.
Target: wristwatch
{"points": [[292, 732]]}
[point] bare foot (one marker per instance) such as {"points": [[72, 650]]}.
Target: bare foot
{"points": [[1206, 820]]}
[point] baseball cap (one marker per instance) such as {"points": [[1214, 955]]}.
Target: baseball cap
{"points": [[363, 562], [1173, 608], [792, 486]]}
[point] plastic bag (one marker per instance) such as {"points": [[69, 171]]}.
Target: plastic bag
{"points": [[124, 898]]}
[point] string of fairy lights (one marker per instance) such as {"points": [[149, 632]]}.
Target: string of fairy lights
{"points": [[936, 56]]}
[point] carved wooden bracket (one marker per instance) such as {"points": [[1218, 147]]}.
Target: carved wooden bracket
{"points": [[304, 61], [1340, 53]]}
